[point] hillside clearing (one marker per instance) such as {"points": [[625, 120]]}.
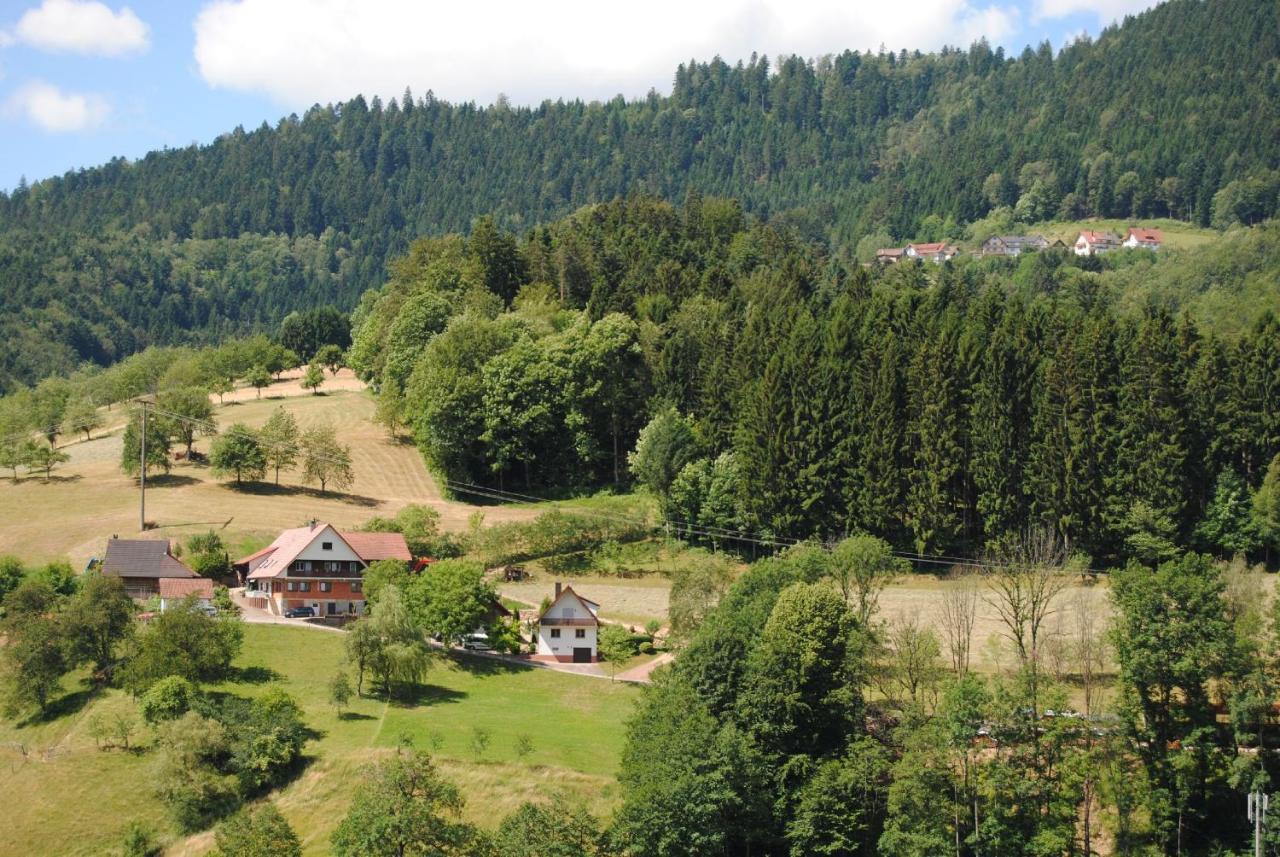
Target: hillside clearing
{"points": [[89, 498]]}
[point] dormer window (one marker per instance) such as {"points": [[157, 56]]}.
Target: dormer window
{"points": [[326, 546]]}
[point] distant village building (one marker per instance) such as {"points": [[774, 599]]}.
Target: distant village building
{"points": [[1149, 239], [1091, 243], [567, 629], [175, 590], [936, 252], [143, 564], [889, 255], [1013, 245], [318, 567]]}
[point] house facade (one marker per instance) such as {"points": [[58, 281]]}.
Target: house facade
{"points": [[1091, 243], [935, 252], [568, 629], [1148, 239], [318, 567], [1013, 245], [142, 564]]}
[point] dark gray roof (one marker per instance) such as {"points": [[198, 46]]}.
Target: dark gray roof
{"points": [[142, 558]]}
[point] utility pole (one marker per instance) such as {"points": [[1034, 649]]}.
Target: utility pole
{"points": [[1258, 804], [142, 472]]}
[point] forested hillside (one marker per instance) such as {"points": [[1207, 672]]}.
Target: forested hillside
{"points": [[944, 408], [1171, 113]]}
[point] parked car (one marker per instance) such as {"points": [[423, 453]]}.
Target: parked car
{"points": [[477, 643], [299, 613]]}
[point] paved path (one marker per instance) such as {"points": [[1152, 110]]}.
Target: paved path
{"points": [[643, 674]]}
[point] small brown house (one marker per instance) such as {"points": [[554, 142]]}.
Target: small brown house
{"points": [[142, 564]]}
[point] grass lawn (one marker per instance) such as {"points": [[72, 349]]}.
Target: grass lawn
{"points": [[68, 798]]}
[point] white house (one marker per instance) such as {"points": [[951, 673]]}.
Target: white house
{"points": [[567, 629], [1149, 239], [938, 252], [174, 590], [1091, 243]]}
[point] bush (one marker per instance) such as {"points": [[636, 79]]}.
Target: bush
{"points": [[138, 842], [257, 832], [646, 648], [169, 698]]}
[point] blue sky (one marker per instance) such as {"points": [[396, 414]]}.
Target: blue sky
{"points": [[83, 81]]}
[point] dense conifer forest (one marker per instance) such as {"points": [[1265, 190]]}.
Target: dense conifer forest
{"points": [[1172, 113]]}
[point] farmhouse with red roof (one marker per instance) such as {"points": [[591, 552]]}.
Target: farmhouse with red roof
{"points": [[1091, 243], [318, 567], [1149, 239]]}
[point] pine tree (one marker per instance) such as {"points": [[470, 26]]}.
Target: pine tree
{"points": [[934, 435]]}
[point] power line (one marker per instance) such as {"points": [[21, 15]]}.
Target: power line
{"points": [[737, 535], [704, 530]]}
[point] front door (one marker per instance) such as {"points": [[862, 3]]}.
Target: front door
{"points": [[582, 656]]}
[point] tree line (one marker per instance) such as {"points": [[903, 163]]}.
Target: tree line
{"points": [[1170, 113]]}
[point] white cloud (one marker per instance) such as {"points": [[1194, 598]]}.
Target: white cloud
{"points": [[304, 51], [1106, 11], [53, 110], [6, 39], [83, 27]]}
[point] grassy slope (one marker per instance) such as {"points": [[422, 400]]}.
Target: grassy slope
{"points": [[89, 498], [77, 799]]}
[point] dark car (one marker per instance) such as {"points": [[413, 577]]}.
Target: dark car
{"points": [[299, 613]]}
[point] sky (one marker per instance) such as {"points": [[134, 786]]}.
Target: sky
{"points": [[83, 81]]}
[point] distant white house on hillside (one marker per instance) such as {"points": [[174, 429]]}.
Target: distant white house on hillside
{"points": [[938, 251], [1149, 239], [1091, 243], [567, 629]]}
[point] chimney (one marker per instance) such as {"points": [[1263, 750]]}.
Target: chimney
{"points": [[557, 589]]}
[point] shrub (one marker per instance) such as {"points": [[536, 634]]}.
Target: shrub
{"points": [[257, 832], [646, 648], [138, 842], [169, 698]]}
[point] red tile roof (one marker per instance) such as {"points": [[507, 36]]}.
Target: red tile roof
{"points": [[935, 247], [255, 555], [181, 587], [1147, 236], [372, 547]]}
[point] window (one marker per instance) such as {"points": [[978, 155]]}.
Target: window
{"points": [[303, 586], [555, 633], [357, 586], [292, 586], [326, 546], [325, 586], [580, 633]]}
